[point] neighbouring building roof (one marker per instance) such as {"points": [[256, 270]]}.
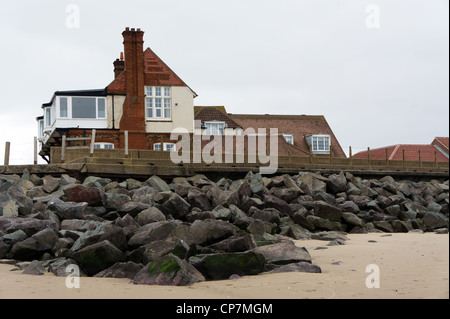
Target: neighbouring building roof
{"points": [[442, 143], [297, 125], [214, 113], [156, 73], [395, 152]]}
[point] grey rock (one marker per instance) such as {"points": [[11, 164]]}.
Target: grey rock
{"points": [[329, 235], [222, 265], [177, 206], [327, 211], [67, 210], [158, 184], [297, 267], [324, 224], [99, 256], [337, 183], [14, 237], [283, 253], [151, 232], [197, 198], [150, 215], [127, 269], [239, 242], [34, 268], [114, 234], [433, 220], [35, 246], [168, 270], [132, 208], [352, 219]]}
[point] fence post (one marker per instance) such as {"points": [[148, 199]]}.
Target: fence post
{"points": [[7, 150], [435, 159], [35, 151], [91, 151], [350, 154], [368, 155], [310, 154], [126, 143], [63, 148], [161, 139], [387, 158], [420, 159], [403, 156]]}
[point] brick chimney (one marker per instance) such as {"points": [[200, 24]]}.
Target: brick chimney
{"points": [[119, 65], [133, 117]]}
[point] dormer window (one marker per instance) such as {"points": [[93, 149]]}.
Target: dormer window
{"points": [[158, 103], [289, 138], [215, 127], [320, 143]]}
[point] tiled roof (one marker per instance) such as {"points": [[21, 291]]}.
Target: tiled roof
{"points": [[156, 73], [395, 152], [297, 125], [444, 141], [214, 113]]}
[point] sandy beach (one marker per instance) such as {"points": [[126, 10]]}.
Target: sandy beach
{"points": [[410, 265]]}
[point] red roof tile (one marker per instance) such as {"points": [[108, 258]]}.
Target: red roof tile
{"points": [[156, 73], [297, 125], [212, 113], [395, 152]]}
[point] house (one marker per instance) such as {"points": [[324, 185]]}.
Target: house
{"points": [[149, 101], [436, 151]]}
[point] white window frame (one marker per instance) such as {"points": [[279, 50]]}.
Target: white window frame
{"points": [[165, 103], [70, 106], [48, 116], [287, 137], [212, 127], [315, 143], [41, 128], [104, 145], [166, 146]]}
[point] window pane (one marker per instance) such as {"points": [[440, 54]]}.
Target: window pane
{"points": [[41, 128], [166, 91], [314, 144], [149, 106], [48, 117], [167, 108], [83, 108], [220, 127], [157, 147], [149, 90], [157, 91], [101, 108], [169, 147], [327, 143], [63, 107], [321, 145], [158, 108]]}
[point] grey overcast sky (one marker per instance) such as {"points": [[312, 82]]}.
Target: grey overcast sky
{"points": [[377, 85]]}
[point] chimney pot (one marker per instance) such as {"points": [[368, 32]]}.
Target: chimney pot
{"points": [[127, 29], [132, 29], [121, 56], [138, 29]]}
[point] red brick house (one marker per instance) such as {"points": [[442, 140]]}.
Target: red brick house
{"points": [[428, 152], [149, 101]]}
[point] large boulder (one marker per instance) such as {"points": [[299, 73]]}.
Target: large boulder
{"points": [[210, 231], [433, 220], [312, 183], [197, 198], [35, 246], [158, 184], [67, 210], [99, 256], [337, 183], [223, 265], [127, 269], [28, 225], [239, 242], [114, 234], [177, 206], [168, 270], [150, 215], [151, 232], [327, 211], [283, 253], [297, 267], [91, 195]]}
